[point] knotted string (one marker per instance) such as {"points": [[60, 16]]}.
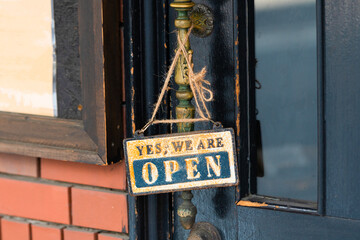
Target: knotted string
{"points": [[197, 83]]}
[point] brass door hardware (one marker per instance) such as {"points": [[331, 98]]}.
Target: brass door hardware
{"points": [[204, 231], [185, 109], [202, 19]]}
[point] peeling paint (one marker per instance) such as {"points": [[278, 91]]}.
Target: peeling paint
{"points": [[237, 92], [237, 89], [133, 111], [238, 124], [251, 204], [184, 213]]}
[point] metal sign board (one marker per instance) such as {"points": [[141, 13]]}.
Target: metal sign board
{"points": [[184, 161]]}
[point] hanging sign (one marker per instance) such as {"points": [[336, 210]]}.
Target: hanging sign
{"points": [[183, 161]]}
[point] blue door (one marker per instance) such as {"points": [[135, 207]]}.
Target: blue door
{"points": [[285, 75]]}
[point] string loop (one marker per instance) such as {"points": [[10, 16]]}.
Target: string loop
{"points": [[198, 85]]}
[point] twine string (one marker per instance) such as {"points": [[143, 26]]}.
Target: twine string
{"points": [[198, 85], [197, 81]]}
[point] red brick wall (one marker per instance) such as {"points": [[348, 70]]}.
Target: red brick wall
{"points": [[42, 199]]}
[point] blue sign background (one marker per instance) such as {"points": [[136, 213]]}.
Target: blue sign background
{"points": [[181, 175]]}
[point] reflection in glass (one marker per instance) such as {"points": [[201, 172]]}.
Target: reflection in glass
{"points": [[285, 38], [27, 58]]}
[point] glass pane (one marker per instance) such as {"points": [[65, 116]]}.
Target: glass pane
{"points": [[285, 33], [27, 57]]}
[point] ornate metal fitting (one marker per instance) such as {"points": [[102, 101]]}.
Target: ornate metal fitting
{"points": [[202, 19], [187, 210], [182, 4]]}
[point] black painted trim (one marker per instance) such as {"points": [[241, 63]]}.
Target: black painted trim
{"points": [[145, 34], [321, 106]]}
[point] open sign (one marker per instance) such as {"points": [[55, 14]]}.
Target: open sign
{"points": [[185, 161]]}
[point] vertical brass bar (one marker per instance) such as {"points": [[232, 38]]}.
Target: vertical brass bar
{"points": [[184, 94], [187, 210]]}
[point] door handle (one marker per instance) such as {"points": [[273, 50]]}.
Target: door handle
{"points": [[204, 231]]}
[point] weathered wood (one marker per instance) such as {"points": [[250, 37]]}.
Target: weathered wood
{"points": [[92, 72], [44, 130], [46, 137]]}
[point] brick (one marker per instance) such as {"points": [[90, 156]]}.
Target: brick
{"points": [[99, 209], [106, 236], [79, 234], [14, 230], [20, 165], [112, 176], [34, 200], [45, 232]]}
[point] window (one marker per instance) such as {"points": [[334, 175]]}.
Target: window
{"points": [[89, 126], [284, 161]]}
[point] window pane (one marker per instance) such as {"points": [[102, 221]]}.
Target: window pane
{"points": [[27, 57], [285, 33]]}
